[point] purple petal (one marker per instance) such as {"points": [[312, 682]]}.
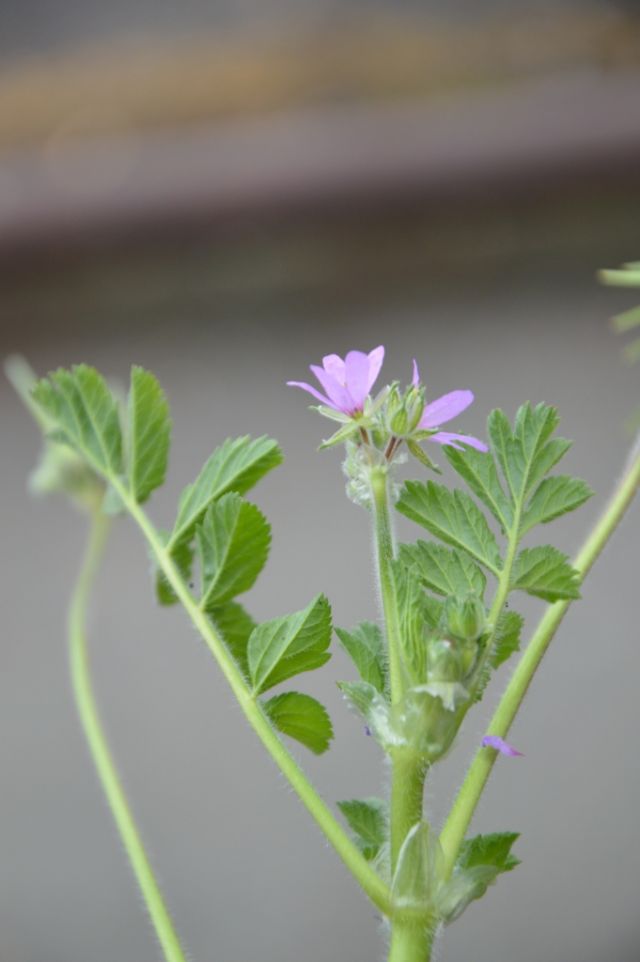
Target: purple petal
{"points": [[312, 390], [445, 408], [415, 380], [334, 365], [356, 369], [340, 397], [448, 437], [376, 357], [494, 741]]}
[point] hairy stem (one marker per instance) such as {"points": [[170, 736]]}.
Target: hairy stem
{"points": [[385, 553], [467, 799], [410, 943], [367, 877], [111, 784]]}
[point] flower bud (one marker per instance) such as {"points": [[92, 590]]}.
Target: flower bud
{"points": [[466, 618]]}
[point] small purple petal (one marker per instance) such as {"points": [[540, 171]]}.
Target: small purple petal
{"points": [[334, 365], [494, 741], [356, 370], [367, 730], [340, 397], [445, 408], [376, 357], [448, 437], [311, 390], [415, 380]]}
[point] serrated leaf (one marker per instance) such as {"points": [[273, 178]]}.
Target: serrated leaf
{"points": [[237, 465], [552, 498], [493, 849], [284, 647], [301, 717], [546, 573], [446, 571], [452, 517], [85, 415], [148, 434], [182, 557], [478, 469], [365, 646], [526, 454], [368, 819], [233, 543], [482, 859], [506, 638], [235, 625]]}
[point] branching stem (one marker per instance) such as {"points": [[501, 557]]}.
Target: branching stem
{"points": [[367, 877], [467, 799]]}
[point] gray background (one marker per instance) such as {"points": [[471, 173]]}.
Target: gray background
{"points": [[245, 871]]}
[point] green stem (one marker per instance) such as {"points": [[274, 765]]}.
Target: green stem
{"points": [[408, 770], [410, 943], [385, 553], [465, 804], [367, 877], [87, 709]]}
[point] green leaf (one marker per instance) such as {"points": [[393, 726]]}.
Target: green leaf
{"points": [[85, 415], [627, 320], [286, 646], [148, 435], [506, 639], [526, 454], [365, 645], [368, 819], [552, 498], [235, 625], [493, 849], [301, 717], [453, 517], [482, 859], [237, 465], [443, 570], [546, 573], [233, 543], [479, 470], [182, 557]]}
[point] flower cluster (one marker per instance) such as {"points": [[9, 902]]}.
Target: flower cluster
{"points": [[394, 415]]}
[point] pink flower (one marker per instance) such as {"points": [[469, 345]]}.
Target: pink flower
{"points": [[347, 382], [444, 409], [494, 741]]}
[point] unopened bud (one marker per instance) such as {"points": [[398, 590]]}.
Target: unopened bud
{"points": [[466, 618]]}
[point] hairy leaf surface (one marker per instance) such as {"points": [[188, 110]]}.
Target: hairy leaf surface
{"points": [[85, 415], [365, 645], [149, 432], [452, 517], [301, 717], [444, 570], [552, 498], [233, 543], [546, 573], [368, 820], [237, 465], [284, 647]]}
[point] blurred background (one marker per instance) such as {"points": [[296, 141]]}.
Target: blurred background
{"points": [[223, 192]]}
